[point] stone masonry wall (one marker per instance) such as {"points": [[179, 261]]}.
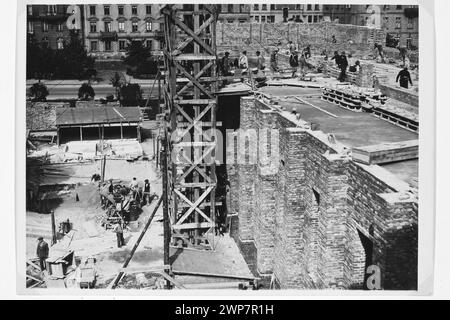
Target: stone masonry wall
{"points": [[42, 115], [303, 220], [357, 40]]}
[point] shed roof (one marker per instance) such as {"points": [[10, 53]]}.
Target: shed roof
{"points": [[96, 115]]}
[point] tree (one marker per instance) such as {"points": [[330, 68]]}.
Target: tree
{"points": [[136, 54], [131, 94], [86, 92], [39, 91], [71, 62], [116, 82]]}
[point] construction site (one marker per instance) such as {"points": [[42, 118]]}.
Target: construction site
{"points": [[256, 178]]}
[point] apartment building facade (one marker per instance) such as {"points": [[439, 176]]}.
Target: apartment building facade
{"points": [[400, 21], [48, 25], [234, 13], [276, 13], [109, 28]]}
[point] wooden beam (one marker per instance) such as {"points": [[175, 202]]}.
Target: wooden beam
{"points": [[192, 34], [213, 275]]}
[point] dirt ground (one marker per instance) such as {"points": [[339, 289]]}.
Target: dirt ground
{"points": [[92, 240]]}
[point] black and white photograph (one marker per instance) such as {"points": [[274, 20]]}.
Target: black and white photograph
{"points": [[228, 146]]}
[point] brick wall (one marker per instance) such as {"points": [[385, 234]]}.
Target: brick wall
{"points": [[407, 96], [357, 40], [303, 221], [42, 115]]}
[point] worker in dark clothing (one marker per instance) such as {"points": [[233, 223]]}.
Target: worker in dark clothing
{"points": [[333, 38], [336, 58], [307, 52], [343, 66], [273, 60], [293, 61], [146, 199], [225, 64], [119, 233], [42, 252], [405, 78], [111, 186]]}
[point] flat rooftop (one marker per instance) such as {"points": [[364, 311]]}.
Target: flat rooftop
{"points": [[353, 129]]}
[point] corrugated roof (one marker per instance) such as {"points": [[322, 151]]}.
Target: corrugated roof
{"points": [[71, 116]]}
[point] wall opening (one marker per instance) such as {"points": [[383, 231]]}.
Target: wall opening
{"points": [[368, 251], [316, 197]]}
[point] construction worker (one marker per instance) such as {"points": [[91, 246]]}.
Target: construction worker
{"points": [[379, 48], [337, 58], [111, 186], [260, 61], [243, 61], [225, 64], [119, 234], [134, 187], [405, 78], [343, 66], [273, 60], [146, 197], [308, 52], [293, 62], [291, 48], [42, 252]]}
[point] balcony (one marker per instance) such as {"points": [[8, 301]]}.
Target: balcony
{"points": [[108, 35]]}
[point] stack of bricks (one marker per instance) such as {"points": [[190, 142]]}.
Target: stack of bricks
{"points": [[301, 221]]}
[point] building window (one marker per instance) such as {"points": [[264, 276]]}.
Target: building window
{"points": [[230, 8], [242, 8], [45, 41], [122, 45], [315, 19], [309, 19], [410, 24], [257, 18], [256, 7], [134, 9], [120, 10], [386, 7], [264, 7], [271, 19], [148, 9], [30, 27], [263, 18], [93, 26], [148, 43], [316, 7], [272, 7], [106, 10], [298, 7], [121, 26], [398, 23], [60, 27], [107, 45], [45, 26], [107, 26], [134, 26], [94, 46], [148, 26], [399, 7], [92, 10], [309, 7]]}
